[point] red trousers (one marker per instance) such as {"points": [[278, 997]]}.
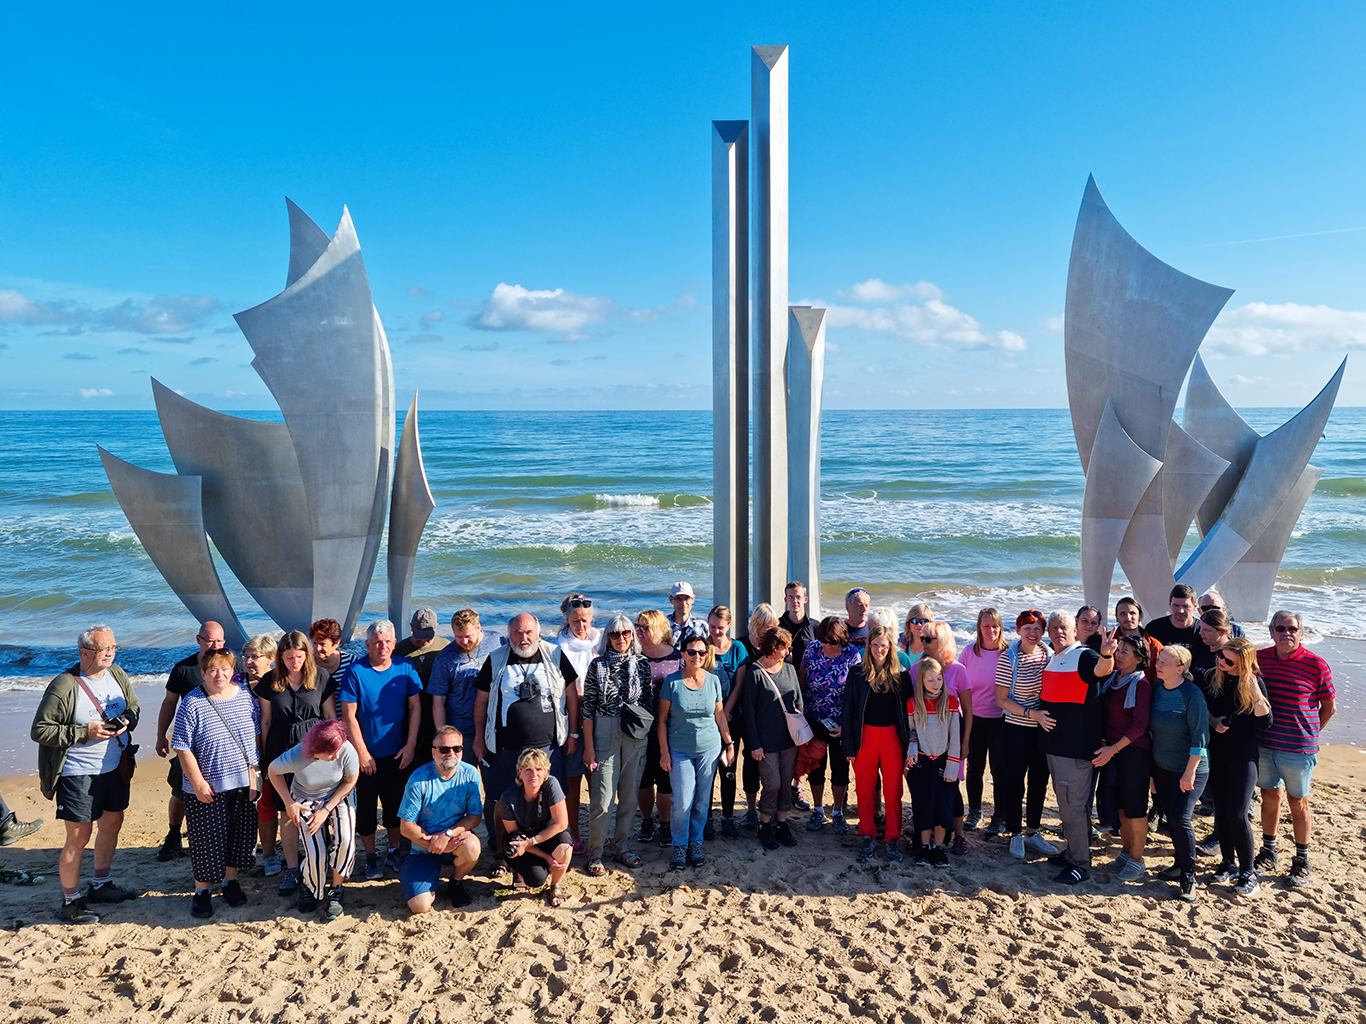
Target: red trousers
{"points": [[880, 750]]}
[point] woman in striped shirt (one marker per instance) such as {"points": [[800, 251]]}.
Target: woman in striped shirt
{"points": [[1019, 682]]}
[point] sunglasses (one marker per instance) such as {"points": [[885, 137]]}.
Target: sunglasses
{"points": [[622, 632], [1207, 607], [918, 622], [448, 750], [929, 638], [581, 602], [1230, 662], [1285, 629], [695, 653]]}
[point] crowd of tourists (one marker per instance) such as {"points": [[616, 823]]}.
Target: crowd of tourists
{"points": [[463, 749]]}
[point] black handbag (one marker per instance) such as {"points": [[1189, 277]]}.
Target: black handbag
{"points": [[636, 721]]}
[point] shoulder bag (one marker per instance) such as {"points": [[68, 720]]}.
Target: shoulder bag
{"points": [[797, 725], [127, 760]]}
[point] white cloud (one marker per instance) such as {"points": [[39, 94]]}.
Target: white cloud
{"points": [[426, 339], [1239, 378], [435, 316], [166, 314], [1261, 328], [1053, 323], [514, 308], [931, 322], [417, 291], [877, 290], [16, 307], [96, 392]]}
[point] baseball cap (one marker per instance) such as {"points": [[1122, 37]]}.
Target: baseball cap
{"points": [[685, 589], [423, 624]]}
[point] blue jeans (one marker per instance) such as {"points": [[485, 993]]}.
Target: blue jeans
{"points": [[690, 776]]}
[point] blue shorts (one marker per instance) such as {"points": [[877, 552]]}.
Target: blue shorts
{"points": [[420, 872], [1277, 766]]}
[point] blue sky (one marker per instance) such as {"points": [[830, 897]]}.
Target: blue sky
{"points": [[939, 153]]}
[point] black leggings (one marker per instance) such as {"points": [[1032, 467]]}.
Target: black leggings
{"points": [[839, 764], [532, 869], [749, 768], [984, 744], [1021, 763], [1179, 805], [1232, 782]]}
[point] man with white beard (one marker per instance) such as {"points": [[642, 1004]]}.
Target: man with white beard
{"points": [[525, 696]]}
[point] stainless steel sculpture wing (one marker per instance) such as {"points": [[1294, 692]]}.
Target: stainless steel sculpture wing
{"points": [[805, 383], [296, 509], [409, 510]]}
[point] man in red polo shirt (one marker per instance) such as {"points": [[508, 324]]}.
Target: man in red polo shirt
{"points": [[1299, 685]]}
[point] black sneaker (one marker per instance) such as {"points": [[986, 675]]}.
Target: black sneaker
{"points": [[1073, 876], [894, 855], [924, 855], [1208, 846], [1266, 861], [767, 835], [939, 857], [647, 831], [678, 858], [867, 848], [973, 819], [234, 896], [170, 847], [1059, 860], [786, 837], [1185, 890], [1247, 884], [1224, 874], [76, 912], [308, 903], [201, 903], [334, 907], [665, 834], [798, 804], [709, 830], [1300, 872], [730, 828], [995, 827], [289, 884], [695, 856], [460, 896], [109, 893]]}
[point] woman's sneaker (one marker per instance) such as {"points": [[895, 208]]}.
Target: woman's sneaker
{"points": [[647, 832], [1171, 873], [784, 833], [730, 828], [1224, 874], [334, 908], [289, 885], [1036, 843], [666, 836], [751, 819], [867, 848], [695, 855], [838, 825], [709, 830], [894, 855], [1017, 846], [201, 903], [973, 819], [233, 894], [1185, 890], [939, 857], [767, 835], [1132, 871], [1247, 884], [307, 901], [678, 859], [817, 819], [271, 864]]}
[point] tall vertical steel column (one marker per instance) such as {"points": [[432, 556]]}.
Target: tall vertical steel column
{"points": [[730, 365], [805, 381], [768, 119]]}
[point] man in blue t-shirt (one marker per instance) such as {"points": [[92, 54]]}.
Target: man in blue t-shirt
{"points": [[379, 702], [441, 805]]}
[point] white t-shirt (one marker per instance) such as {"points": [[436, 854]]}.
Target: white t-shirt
{"points": [[99, 756]]}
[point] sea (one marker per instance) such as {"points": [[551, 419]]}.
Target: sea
{"points": [[961, 509]]}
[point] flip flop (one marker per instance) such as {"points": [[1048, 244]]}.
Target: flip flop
{"points": [[556, 895], [596, 868]]}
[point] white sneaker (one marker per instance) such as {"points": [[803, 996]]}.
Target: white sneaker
{"points": [[271, 864], [1038, 844], [1017, 846]]}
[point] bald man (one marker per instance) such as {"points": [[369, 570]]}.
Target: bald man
{"points": [[183, 679]]}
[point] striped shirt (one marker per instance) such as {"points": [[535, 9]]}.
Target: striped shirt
{"points": [[1028, 681], [1295, 686], [218, 751]]}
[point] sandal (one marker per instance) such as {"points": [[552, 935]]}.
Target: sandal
{"points": [[500, 868], [519, 887], [596, 868], [556, 895], [625, 856]]}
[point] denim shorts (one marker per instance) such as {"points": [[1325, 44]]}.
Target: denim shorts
{"points": [[420, 872], [1277, 766]]}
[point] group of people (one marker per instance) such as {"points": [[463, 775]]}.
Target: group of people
{"points": [[302, 746]]}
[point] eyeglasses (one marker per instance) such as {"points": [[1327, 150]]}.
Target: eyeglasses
{"points": [[929, 638], [622, 632], [209, 640], [1285, 629], [693, 652], [1230, 662], [918, 622], [1208, 607], [581, 602], [104, 650], [447, 750]]}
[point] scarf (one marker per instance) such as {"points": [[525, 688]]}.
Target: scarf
{"points": [[579, 652], [1115, 681], [624, 672]]}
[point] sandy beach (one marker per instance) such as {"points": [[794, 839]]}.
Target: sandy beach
{"points": [[793, 935]]}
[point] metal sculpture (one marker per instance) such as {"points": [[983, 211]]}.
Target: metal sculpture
{"points": [[409, 510], [1132, 328], [730, 363], [805, 379], [768, 122], [295, 509]]}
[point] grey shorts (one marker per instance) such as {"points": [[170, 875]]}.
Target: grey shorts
{"points": [[84, 798]]}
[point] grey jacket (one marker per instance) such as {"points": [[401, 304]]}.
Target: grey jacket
{"points": [[53, 729]]}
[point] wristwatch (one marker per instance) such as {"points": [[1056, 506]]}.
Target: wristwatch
{"points": [[573, 735]]}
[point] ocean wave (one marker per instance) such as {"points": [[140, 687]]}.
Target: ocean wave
{"points": [[1343, 487]]}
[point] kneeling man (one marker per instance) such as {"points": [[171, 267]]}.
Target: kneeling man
{"points": [[441, 805]]}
